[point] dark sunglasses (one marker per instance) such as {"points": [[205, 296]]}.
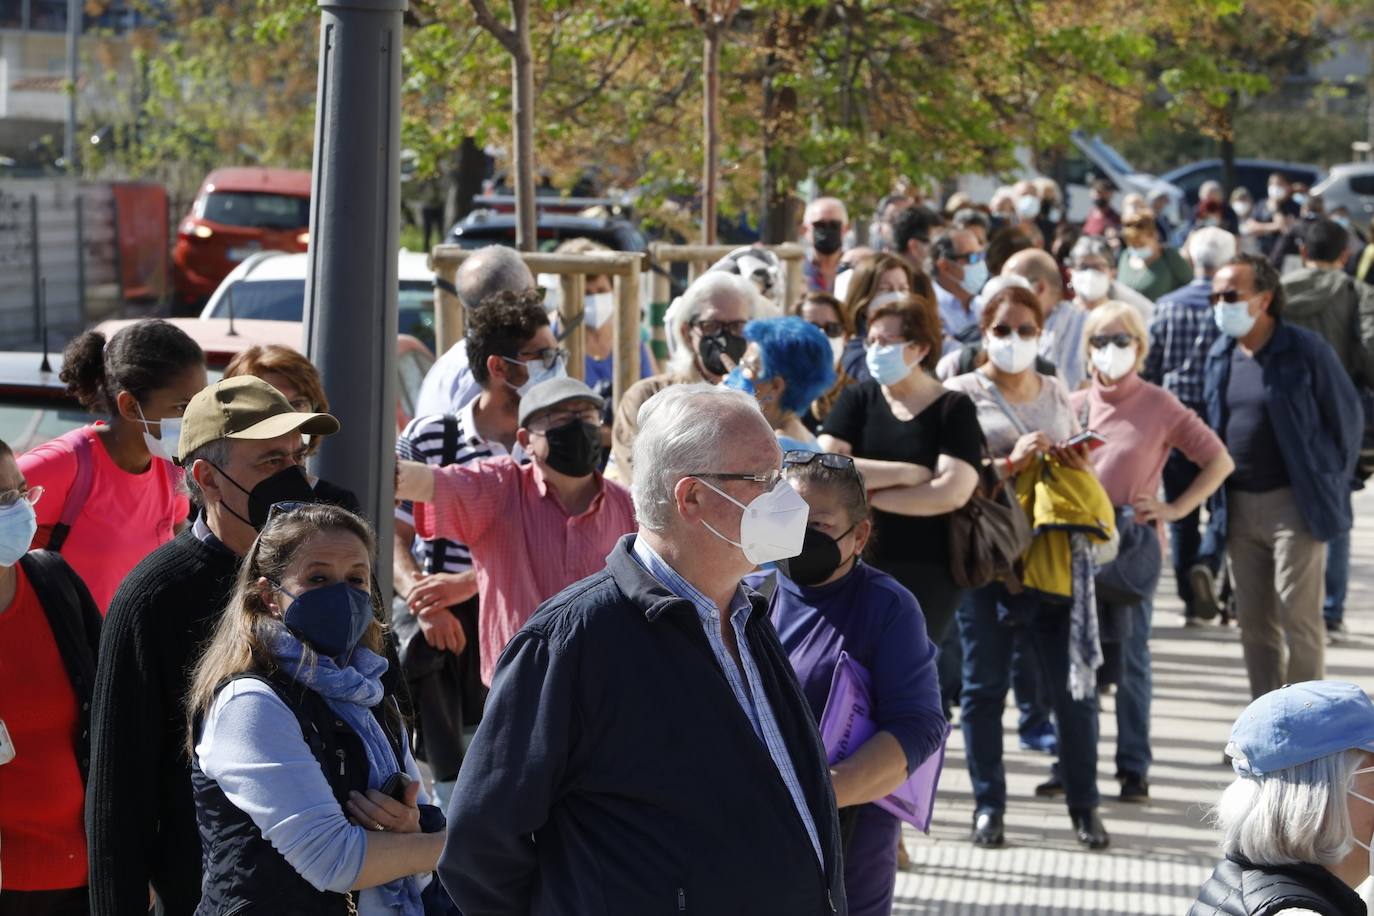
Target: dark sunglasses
{"points": [[830, 328], [1229, 295], [827, 224], [797, 458], [277, 510], [1025, 331], [973, 257], [1098, 341], [716, 328]]}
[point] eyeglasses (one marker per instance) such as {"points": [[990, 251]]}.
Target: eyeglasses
{"points": [[10, 497], [800, 458], [973, 257], [829, 328], [1226, 295], [827, 224], [555, 420], [716, 328], [549, 357], [1025, 331], [769, 480], [1098, 341]]}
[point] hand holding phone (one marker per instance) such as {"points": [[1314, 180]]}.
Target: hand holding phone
{"points": [[396, 785], [1093, 440]]}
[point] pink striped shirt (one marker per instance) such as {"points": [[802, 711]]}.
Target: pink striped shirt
{"points": [[525, 546]]}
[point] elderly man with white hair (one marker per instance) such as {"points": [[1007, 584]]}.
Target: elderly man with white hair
{"points": [[705, 329], [824, 225], [1182, 332], [646, 747], [1298, 821]]}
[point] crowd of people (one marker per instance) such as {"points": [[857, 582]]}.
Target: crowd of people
{"points": [[623, 632]]}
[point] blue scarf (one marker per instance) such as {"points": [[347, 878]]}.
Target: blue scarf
{"points": [[351, 692]]}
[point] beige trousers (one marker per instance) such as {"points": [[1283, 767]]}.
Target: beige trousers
{"points": [[1277, 575]]}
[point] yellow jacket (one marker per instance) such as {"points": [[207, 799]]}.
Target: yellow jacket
{"points": [[1060, 501]]}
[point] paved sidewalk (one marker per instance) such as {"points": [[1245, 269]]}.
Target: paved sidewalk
{"points": [[1160, 853]]}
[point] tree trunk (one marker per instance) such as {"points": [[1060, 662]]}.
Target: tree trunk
{"points": [[710, 131], [1228, 145], [522, 126]]}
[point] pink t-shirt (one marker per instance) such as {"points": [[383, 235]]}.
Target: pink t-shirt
{"points": [[1141, 423], [124, 519]]}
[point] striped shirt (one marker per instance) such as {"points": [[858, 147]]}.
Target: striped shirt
{"points": [[423, 440], [748, 689]]}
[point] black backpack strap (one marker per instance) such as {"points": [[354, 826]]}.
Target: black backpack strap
{"points": [[439, 555], [70, 610]]}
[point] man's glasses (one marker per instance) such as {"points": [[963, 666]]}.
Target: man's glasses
{"points": [[1227, 295], [1098, 341], [973, 257], [10, 497], [555, 420], [716, 328], [827, 224], [829, 328], [1025, 331], [549, 357], [769, 480]]}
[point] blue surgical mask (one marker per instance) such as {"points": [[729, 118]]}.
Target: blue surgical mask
{"points": [[17, 526], [975, 275], [739, 381], [1142, 253], [331, 619], [886, 363], [1233, 318]]}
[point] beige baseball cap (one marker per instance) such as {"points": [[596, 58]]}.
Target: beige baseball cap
{"points": [[244, 407]]}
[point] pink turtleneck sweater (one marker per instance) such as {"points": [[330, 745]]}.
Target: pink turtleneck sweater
{"points": [[1141, 423]]}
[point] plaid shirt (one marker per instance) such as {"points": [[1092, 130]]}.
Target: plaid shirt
{"points": [[1181, 333], [748, 689]]}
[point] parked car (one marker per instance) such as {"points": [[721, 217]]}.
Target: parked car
{"points": [[35, 405], [1251, 174], [237, 213], [481, 228], [271, 285], [1351, 186], [222, 340]]}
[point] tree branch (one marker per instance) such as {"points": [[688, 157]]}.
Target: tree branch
{"points": [[504, 34]]}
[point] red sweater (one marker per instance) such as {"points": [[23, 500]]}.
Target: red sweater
{"points": [[42, 837]]}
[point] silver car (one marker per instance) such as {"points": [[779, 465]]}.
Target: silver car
{"points": [[1350, 186]]}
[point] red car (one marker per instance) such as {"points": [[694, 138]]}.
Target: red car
{"points": [[237, 212]]}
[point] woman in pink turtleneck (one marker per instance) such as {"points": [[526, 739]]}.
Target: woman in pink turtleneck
{"points": [[1140, 422]]}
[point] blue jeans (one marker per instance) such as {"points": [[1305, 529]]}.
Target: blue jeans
{"points": [[1337, 577], [987, 675], [1133, 695], [1187, 535], [1027, 686]]}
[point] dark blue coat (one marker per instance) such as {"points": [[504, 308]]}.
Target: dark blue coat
{"points": [[614, 773], [1317, 421]]}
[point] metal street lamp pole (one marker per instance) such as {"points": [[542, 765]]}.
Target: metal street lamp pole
{"points": [[351, 284], [74, 12]]}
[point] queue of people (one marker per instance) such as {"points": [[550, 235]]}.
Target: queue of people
{"points": [[237, 720]]}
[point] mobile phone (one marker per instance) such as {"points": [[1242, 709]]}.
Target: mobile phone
{"points": [[396, 785], [1088, 437]]}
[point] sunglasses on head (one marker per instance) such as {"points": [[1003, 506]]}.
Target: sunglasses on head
{"points": [[1025, 331], [1098, 341], [796, 458], [1227, 295], [277, 510]]}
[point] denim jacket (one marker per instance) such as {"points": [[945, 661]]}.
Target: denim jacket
{"points": [[1317, 421]]}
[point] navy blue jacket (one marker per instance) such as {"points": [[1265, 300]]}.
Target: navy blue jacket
{"points": [[615, 773], [1317, 421]]}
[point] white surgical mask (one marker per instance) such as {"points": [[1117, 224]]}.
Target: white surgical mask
{"points": [[1114, 361], [1011, 354], [598, 309], [1092, 284], [17, 526], [537, 373], [1276, 192], [773, 525], [1028, 206], [1242, 208], [836, 348], [163, 445], [1367, 847]]}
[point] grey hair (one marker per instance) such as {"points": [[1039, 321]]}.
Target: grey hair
{"points": [[682, 430], [1089, 246], [704, 290], [1210, 248], [216, 452], [491, 270], [1293, 816]]}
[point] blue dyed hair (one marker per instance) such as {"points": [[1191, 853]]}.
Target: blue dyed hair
{"points": [[799, 352]]}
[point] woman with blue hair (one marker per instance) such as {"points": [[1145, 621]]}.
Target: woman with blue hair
{"points": [[787, 365]]}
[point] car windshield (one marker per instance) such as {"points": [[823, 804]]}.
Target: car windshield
{"points": [[24, 425], [284, 300], [257, 211]]}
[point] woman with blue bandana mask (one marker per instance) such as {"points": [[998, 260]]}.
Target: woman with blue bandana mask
{"points": [[304, 781]]}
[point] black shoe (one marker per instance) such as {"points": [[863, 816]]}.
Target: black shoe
{"points": [[1204, 583], [988, 831], [1089, 828], [1052, 787], [1134, 789]]}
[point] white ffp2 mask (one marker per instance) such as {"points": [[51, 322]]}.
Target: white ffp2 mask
{"points": [[773, 525]]}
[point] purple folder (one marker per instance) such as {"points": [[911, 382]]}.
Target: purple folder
{"points": [[848, 722]]}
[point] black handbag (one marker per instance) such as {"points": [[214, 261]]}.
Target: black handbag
{"points": [[989, 534]]}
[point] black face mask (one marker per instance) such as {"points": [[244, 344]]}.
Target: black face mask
{"points": [[819, 557], [827, 236], [574, 448], [289, 485], [711, 348]]}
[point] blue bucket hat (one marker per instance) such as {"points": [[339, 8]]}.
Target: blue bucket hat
{"points": [[1299, 723]]}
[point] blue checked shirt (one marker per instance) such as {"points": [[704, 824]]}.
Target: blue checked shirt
{"points": [[1181, 333], [748, 689]]}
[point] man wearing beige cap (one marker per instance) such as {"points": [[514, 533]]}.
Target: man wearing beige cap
{"points": [[242, 450]]}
